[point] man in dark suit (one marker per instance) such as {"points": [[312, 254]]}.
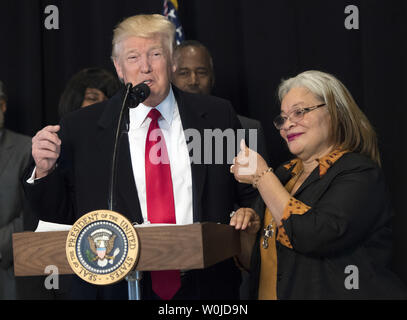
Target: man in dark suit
{"points": [[73, 159], [14, 156], [195, 74]]}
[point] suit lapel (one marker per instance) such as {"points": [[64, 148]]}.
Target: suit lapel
{"points": [[126, 196], [126, 186], [314, 176], [193, 117], [6, 147], [284, 175]]}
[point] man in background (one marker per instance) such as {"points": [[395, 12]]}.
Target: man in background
{"points": [[195, 74], [15, 150]]}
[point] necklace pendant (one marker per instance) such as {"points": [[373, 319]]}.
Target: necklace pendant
{"points": [[265, 243], [267, 233]]}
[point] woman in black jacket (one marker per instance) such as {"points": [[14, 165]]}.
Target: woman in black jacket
{"points": [[325, 225]]}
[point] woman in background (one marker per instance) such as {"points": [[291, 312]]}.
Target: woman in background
{"points": [[87, 87]]}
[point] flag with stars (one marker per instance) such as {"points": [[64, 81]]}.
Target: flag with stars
{"points": [[171, 12]]}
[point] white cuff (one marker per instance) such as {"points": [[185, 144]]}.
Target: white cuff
{"points": [[31, 179]]}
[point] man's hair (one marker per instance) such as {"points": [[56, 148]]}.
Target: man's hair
{"points": [[350, 128], [144, 26], [195, 44], [74, 93], [3, 95]]}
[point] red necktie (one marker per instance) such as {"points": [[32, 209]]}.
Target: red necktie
{"points": [[160, 199]]}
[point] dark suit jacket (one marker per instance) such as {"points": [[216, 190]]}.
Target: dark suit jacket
{"points": [[248, 123], [80, 183], [349, 224], [15, 152]]}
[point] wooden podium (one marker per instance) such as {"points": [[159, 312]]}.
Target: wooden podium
{"points": [[181, 247]]}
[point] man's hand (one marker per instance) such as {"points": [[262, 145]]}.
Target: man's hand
{"points": [[46, 147]]}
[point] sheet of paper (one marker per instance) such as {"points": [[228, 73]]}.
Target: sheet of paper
{"points": [[155, 225], [44, 226]]}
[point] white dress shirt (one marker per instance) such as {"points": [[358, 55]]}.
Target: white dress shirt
{"points": [[171, 126]]}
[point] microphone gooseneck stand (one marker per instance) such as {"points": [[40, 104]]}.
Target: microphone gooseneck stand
{"points": [[119, 131], [137, 95]]}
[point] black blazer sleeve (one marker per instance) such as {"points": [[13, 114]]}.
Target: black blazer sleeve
{"points": [[350, 206]]}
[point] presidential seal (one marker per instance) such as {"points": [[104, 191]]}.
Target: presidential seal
{"points": [[102, 247]]}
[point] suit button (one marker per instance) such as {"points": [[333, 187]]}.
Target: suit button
{"points": [[279, 277]]}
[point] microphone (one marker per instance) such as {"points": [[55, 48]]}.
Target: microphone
{"points": [[137, 94]]}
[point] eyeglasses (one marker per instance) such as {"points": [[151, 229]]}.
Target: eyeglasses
{"points": [[294, 116]]}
